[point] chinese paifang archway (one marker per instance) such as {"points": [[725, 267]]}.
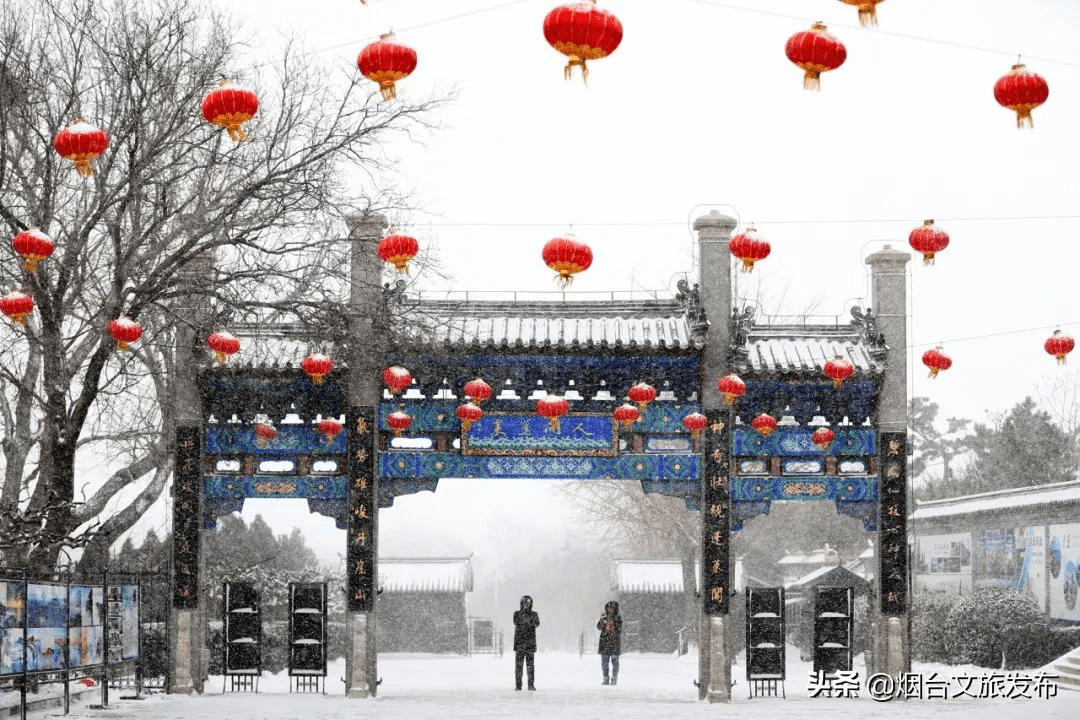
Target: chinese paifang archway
{"points": [[593, 352]]}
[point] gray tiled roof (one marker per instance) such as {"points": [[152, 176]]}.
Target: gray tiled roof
{"points": [[802, 349], [656, 325]]}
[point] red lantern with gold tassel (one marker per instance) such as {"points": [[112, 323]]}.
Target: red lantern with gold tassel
{"points": [[264, 434], [839, 369], [468, 413], [815, 51], [552, 407], [1059, 346], [641, 393], [582, 32], [567, 256], [929, 240], [396, 379], [16, 306], [33, 246], [230, 106], [330, 428], [764, 424], [867, 10], [224, 345], [124, 331], [398, 421], [695, 422], [626, 414], [1022, 92], [80, 142], [732, 388], [385, 62], [936, 361], [398, 249], [477, 390], [317, 366], [749, 248], [823, 437]]}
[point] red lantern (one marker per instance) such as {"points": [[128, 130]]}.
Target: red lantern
{"points": [[1021, 91], [230, 106], [695, 422], [1059, 346], [397, 379], [582, 31], [385, 62], [553, 408], [936, 361], [823, 437], [317, 365], [477, 390], [469, 413], [33, 246], [330, 428], [399, 422], [17, 306], [223, 344], [642, 394], [928, 240], [81, 142], [626, 414], [839, 369], [398, 249], [264, 434], [867, 10], [732, 387], [124, 330], [567, 256], [815, 51], [749, 248], [764, 424]]}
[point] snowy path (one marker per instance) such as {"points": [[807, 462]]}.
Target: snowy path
{"points": [[481, 688]]}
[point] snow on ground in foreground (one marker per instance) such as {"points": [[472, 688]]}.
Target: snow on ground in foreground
{"points": [[482, 688]]}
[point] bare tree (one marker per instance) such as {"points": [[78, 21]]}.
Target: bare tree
{"points": [[171, 201]]}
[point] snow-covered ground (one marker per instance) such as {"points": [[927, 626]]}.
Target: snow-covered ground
{"points": [[482, 688]]}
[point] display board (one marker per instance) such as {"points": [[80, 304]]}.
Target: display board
{"points": [[12, 626]]}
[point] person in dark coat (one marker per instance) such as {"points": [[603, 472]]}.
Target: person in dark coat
{"points": [[525, 623], [610, 627]]}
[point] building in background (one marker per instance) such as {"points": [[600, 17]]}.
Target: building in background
{"points": [[1027, 539], [422, 605]]}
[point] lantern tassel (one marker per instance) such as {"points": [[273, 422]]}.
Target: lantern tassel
{"points": [[1061, 359], [928, 259], [1023, 117], [747, 265], [236, 133], [564, 280], [837, 382], [812, 80], [933, 373], [219, 357], [122, 344], [82, 166], [867, 15], [568, 71], [317, 378], [389, 92], [729, 399], [553, 423], [30, 263]]}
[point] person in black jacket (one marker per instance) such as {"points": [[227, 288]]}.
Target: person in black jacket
{"points": [[610, 627], [525, 623]]}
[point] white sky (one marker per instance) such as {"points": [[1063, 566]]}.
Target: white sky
{"points": [[700, 108]]}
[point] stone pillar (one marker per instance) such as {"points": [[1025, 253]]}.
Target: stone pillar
{"points": [[365, 356], [187, 636], [888, 270], [714, 259]]}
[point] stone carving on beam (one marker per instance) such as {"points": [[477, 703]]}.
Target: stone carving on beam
{"points": [[741, 322], [690, 299], [873, 338]]}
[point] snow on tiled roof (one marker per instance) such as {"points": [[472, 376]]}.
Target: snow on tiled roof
{"points": [[1051, 494], [808, 580], [452, 575], [804, 348], [655, 324], [647, 576]]}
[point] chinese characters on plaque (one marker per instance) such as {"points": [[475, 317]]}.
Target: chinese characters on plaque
{"points": [[716, 508], [360, 547], [186, 517], [893, 523]]}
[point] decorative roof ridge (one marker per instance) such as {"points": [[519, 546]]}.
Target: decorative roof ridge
{"points": [[796, 331], [554, 308]]}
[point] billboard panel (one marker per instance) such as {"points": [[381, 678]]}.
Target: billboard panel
{"points": [[1064, 568]]}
